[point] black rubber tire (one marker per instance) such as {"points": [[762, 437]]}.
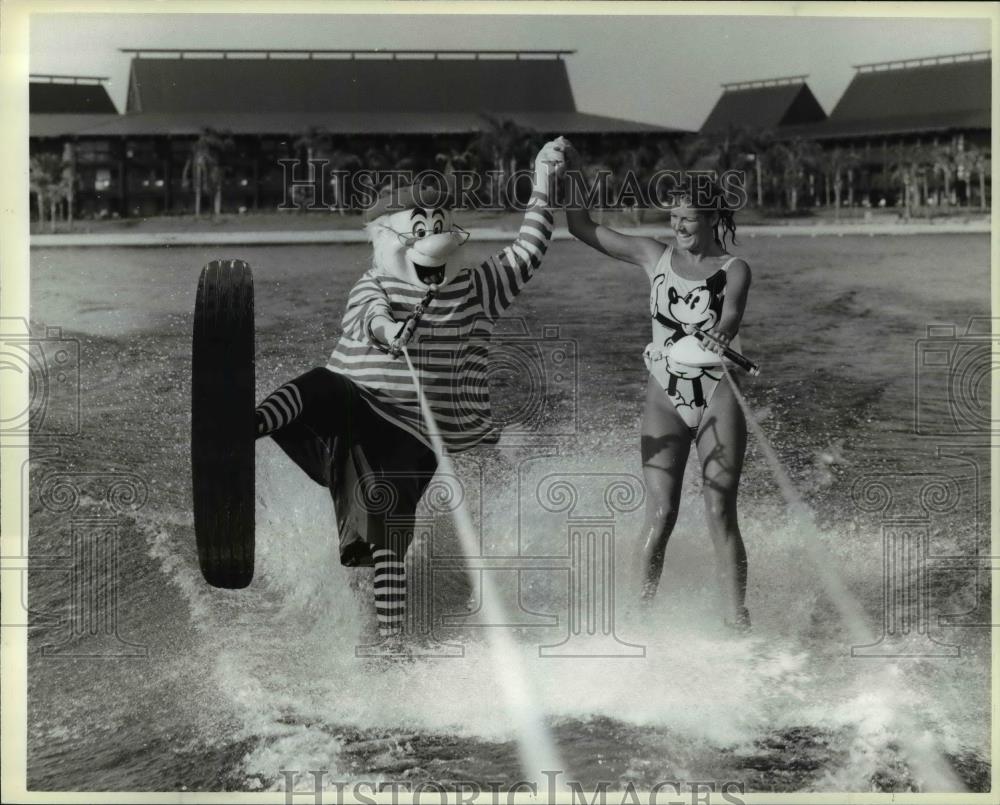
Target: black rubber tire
{"points": [[222, 423]]}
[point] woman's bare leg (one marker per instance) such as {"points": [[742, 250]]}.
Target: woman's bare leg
{"points": [[721, 444], [665, 445]]}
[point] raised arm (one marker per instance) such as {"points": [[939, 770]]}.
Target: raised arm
{"points": [[640, 251], [500, 278]]}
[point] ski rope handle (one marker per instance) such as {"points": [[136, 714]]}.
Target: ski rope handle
{"points": [[418, 310], [740, 360]]}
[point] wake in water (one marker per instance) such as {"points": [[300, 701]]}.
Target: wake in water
{"points": [[787, 708], [240, 684]]}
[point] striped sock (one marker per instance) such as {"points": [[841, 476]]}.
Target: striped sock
{"points": [[390, 592], [278, 409]]}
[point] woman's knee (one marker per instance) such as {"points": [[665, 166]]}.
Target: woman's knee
{"points": [[720, 509], [660, 518]]}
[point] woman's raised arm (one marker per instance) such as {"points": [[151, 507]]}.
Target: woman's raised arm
{"points": [[635, 249]]}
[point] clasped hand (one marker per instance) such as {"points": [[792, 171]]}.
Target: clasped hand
{"points": [[715, 341]]}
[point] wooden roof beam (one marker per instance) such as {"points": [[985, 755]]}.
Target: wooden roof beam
{"points": [[352, 53], [765, 82], [75, 79], [922, 61]]}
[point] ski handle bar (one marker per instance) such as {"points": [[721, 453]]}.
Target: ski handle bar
{"points": [[740, 360], [414, 317]]}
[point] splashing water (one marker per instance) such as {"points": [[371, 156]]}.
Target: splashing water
{"points": [[537, 750], [247, 683], [922, 750]]}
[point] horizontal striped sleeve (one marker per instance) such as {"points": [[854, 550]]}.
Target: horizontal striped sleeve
{"points": [[501, 277], [367, 299]]}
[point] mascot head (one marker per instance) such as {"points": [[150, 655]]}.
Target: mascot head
{"points": [[412, 234]]}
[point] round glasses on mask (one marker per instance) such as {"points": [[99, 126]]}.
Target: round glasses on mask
{"points": [[408, 239]]}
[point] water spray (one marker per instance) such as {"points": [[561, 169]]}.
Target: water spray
{"points": [[537, 750], [935, 768], [847, 605]]}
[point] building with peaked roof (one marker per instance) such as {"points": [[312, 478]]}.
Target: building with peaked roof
{"points": [[930, 117], [62, 104], [377, 105], [766, 104], [59, 94], [353, 92], [932, 96], [925, 118]]}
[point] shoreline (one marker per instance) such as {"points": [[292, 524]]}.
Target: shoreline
{"points": [[484, 234]]}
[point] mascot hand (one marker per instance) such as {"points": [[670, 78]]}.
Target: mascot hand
{"points": [[403, 337], [551, 161], [570, 155]]}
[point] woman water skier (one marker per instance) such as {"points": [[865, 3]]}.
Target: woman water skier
{"points": [[695, 285]]}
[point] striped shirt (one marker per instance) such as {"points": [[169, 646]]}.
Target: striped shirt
{"points": [[450, 348]]}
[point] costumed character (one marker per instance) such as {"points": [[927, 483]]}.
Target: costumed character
{"points": [[355, 424]]}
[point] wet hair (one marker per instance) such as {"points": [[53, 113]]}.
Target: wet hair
{"points": [[726, 225], [707, 198]]}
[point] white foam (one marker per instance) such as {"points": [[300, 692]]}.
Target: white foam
{"points": [[281, 654]]}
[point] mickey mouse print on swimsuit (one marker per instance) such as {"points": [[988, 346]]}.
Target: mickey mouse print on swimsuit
{"points": [[687, 372], [701, 305]]}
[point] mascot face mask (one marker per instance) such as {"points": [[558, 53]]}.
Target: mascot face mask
{"points": [[416, 244], [413, 235]]}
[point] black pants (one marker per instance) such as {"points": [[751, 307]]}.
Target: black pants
{"points": [[375, 471]]}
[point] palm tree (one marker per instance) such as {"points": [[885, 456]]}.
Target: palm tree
{"points": [[504, 144], [313, 143], [944, 161], [736, 148], [976, 162], [667, 157], [451, 160], [395, 155], [637, 163], [793, 158], [68, 180], [204, 168], [341, 161], [45, 178], [718, 151], [760, 142], [908, 163], [835, 164], [597, 177]]}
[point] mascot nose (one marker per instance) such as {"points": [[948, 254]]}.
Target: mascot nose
{"points": [[434, 250]]}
